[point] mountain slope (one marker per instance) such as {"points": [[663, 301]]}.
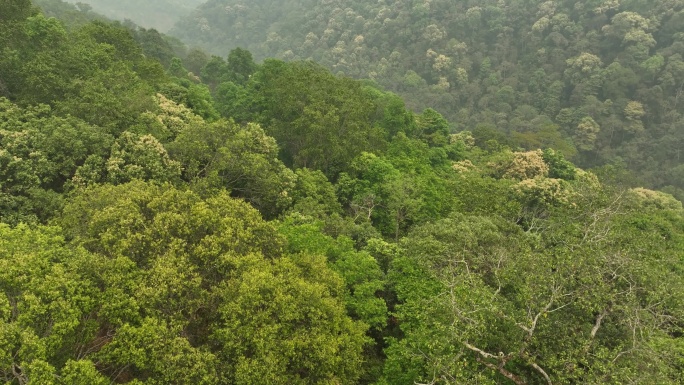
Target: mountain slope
{"points": [[601, 80]]}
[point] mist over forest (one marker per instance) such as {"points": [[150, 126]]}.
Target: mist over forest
{"points": [[157, 14], [341, 192]]}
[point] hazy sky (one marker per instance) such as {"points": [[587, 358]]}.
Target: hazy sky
{"points": [[159, 14]]}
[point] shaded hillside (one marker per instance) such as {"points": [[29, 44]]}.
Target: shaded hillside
{"points": [[602, 81]]}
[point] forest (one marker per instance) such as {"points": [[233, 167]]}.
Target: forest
{"points": [[600, 80], [175, 216]]}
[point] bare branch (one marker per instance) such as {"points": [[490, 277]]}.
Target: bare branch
{"points": [[480, 352], [622, 353], [597, 325], [535, 320], [500, 367], [18, 373], [592, 232], [517, 380], [543, 373]]}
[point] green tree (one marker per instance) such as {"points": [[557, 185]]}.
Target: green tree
{"points": [[264, 315], [360, 271], [131, 157], [214, 71], [586, 133], [154, 45], [40, 153], [241, 65], [321, 121], [224, 155], [195, 60], [45, 307], [282, 324], [313, 195], [432, 128], [468, 313]]}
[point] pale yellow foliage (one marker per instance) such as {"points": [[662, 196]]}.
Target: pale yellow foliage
{"points": [[548, 191], [586, 133], [174, 117], [464, 136], [541, 24], [442, 63], [607, 5], [311, 38], [639, 36], [474, 13], [461, 76], [587, 179], [585, 63], [630, 19], [646, 198], [443, 84], [525, 165], [631, 27], [547, 8], [634, 110], [463, 166], [434, 33]]}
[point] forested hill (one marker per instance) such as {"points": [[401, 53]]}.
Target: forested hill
{"points": [[172, 218], [602, 80]]}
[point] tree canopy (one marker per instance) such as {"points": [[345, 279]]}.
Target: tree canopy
{"points": [[171, 217], [599, 80]]}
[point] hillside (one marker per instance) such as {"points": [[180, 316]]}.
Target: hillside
{"points": [[218, 220], [602, 81]]}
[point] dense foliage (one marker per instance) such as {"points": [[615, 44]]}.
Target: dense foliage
{"points": [[600, 80], [167, 217]]}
